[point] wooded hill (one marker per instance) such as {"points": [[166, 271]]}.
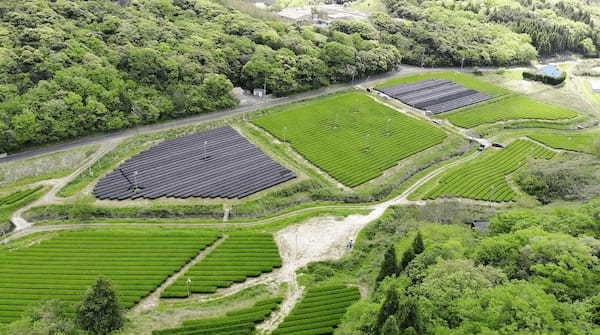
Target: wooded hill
{"points": [[448, 32], [71, 68]]}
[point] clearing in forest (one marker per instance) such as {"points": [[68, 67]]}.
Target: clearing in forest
{"points": [[66, 265], [484, 178], [512, 107], [240, 256], [351, 136]]}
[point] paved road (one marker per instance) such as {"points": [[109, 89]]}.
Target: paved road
{"points": [[206, 117]]}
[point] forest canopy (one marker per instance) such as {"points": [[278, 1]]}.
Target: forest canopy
{"points": [[72, 68]]}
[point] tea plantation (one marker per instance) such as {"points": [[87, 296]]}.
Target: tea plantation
{"points": [[484, 178], [240, 256], [319, 312], [64, 266], [350, 136], [507, 108], [238, 322]]}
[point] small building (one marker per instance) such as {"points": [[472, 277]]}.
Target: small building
{"points": [[595, 86], [482, 226], [259, 92]]}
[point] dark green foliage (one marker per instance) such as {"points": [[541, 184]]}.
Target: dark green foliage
{"points": [[407, 257], [417, 244], [563, 180], [389, 267], [408, 316], [48, 318], [389, 307], [390, 327], [100, 312]]}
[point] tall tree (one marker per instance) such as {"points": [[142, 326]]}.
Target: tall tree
{"points": [[100, 312], [408, 316], [390, 264], [407, 257], [390, 327], [388, 308], [417, 244]]}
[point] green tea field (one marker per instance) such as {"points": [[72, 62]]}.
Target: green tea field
{"points": [[507, 108], [582, 142], [240, 256], [350, 136], [484, 178], [320, 311], [238, 322], [64, 266]]}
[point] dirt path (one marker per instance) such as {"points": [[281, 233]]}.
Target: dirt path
{"points": [[153, 299], [56, 185]]}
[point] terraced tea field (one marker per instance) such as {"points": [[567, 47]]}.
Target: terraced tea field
{"points": [[507, 108], [240, 256], [66, 265], [484, 178], [238, 322], [350, 136], [574, 141], [319, 312]]}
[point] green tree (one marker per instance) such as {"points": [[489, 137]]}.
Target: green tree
{"points": [[407, 257], [388, 308], [417, 245], [516, 308], [408, 315], [389, 267], [100, 312], [49, 318], [390, 327]]}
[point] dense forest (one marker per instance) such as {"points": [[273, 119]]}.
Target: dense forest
{"points": [[71, 68], [487, 32], [536, 271]]}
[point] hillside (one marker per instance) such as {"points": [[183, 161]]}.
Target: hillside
{"points": [[72, 68]]}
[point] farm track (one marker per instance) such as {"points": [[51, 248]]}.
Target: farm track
{"points": [[56, 185]]}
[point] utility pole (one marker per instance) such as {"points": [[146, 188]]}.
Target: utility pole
{"points": [[135, 184], [462, 62], [188, 283]]}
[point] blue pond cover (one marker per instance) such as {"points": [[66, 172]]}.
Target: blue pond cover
{"points": [[550, 71]]}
